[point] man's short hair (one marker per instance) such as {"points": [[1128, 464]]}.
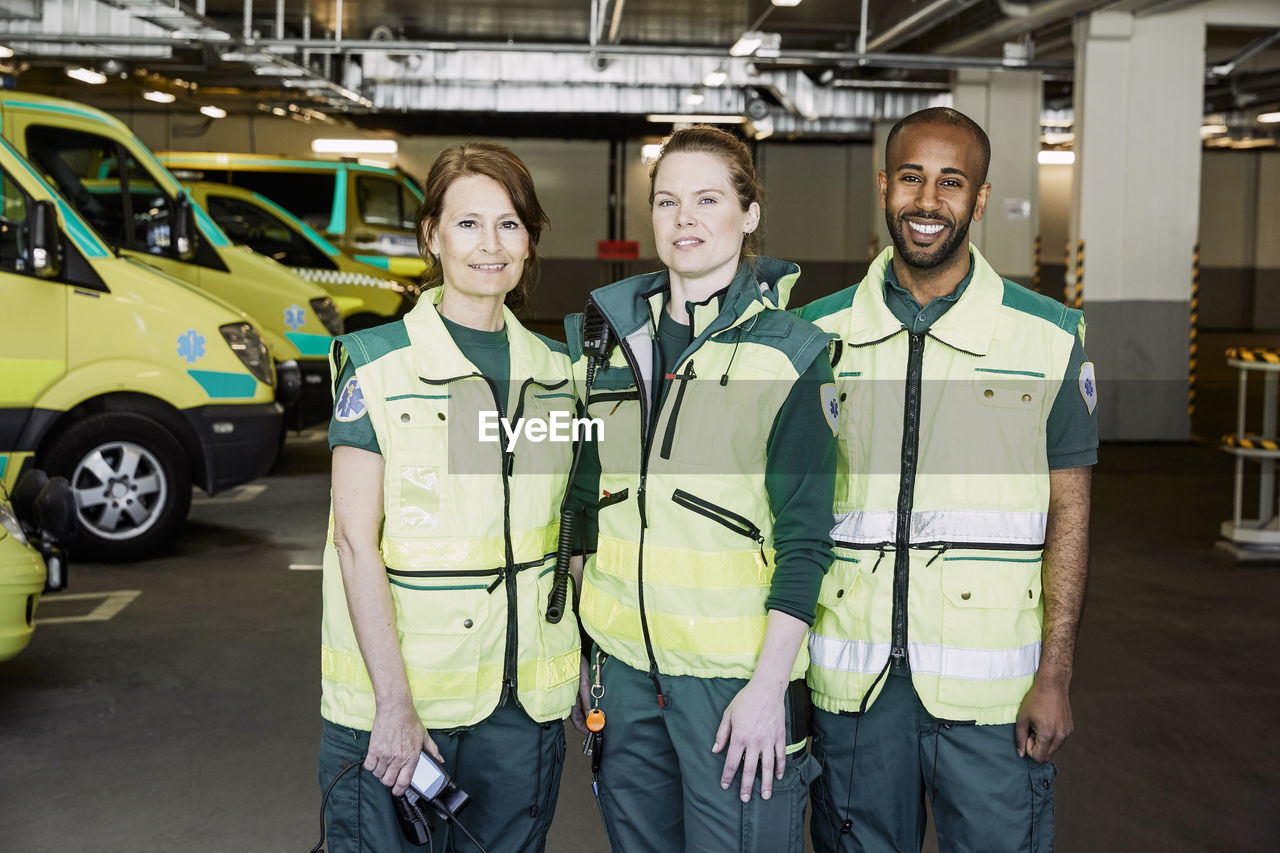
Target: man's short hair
{"points": [[945, 115]]}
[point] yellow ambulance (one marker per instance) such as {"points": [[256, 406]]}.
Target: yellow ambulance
{"points": [[141, 211], [128, 382], [31, 561], [365, 295], [367, 211]]}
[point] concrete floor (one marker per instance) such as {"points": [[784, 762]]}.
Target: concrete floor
{"points": [[189, 720]]}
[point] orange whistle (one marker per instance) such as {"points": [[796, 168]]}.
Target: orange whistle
{"points": [[595, 720]]}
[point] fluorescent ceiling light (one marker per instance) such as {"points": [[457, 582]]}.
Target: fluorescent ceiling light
{"points": [[5, 51], [354, 146], [1057, 138], [87, 75], [1064, 158], [1056, 122], [1212, 129], [747, 43], [694, 99], [158, 97], [650, 152], [762, 129], [786, 2], [1269, 118], [213, 112], [715, 78], [693, 118]]}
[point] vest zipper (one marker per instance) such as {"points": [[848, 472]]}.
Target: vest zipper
{"points": [[508, 571], [669, 435], [906, 494], [726, 518], [640, 497]]}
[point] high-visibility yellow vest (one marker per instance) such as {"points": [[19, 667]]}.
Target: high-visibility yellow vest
{"points": [[946, 510], [469, 532], [685, 557]]}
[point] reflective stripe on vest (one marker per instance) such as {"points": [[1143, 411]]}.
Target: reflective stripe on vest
{"points": [[869, 658], [976, 527]]}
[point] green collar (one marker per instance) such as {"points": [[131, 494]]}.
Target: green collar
{"points": [[436, 356], [969, 325]]}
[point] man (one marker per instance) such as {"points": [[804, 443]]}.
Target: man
{"points": [[942, 650]]}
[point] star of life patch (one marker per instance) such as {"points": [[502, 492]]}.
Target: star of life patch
{"points": [[830, 406], [1088, 386], [350, 406]]}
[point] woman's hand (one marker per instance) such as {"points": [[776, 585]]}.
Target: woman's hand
{"points": [[754, 729], [578, 714], [394, 744]]}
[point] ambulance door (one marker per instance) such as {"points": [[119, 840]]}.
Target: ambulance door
{"points": [[125, 205], [33, 348]]}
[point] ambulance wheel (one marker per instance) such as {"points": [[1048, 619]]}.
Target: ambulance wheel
{"points": [[131, 481]]}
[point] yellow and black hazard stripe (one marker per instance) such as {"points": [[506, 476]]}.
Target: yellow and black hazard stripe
{"points": [[1256, 354], [1194, 350], [1250, 442]]}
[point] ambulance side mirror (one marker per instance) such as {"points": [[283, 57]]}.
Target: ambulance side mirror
{"points": [[184, 228], [46, 245]]}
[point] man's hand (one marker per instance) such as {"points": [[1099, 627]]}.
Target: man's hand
{"points": [[394, 744], [1044, 720], [754, 729]]}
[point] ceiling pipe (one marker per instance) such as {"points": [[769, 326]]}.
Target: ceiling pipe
{"points": [[919, 23], [1022, 18], [1226, 69], [616, 24]]}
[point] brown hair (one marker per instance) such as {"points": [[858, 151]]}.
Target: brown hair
{"points": [[502, 165], [729, 150]]}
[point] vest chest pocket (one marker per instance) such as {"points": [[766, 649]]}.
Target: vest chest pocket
{"points": [[417, 460], [619, 439], [1009, 390]]}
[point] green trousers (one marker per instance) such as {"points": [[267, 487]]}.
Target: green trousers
{"points": [[877, 768], [659, 782], [509, 764]]}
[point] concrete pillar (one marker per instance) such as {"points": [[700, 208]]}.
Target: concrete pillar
{"points": [[1138, 109], [1007, 105]]}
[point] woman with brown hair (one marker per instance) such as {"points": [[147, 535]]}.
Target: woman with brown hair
{"points": [[441, 545]]}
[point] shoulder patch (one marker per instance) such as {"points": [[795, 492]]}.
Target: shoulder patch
{"points": [[350, 406], [1088, 386], [831, 406]]}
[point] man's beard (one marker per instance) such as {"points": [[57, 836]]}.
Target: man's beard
{"points": [[932, 257]]}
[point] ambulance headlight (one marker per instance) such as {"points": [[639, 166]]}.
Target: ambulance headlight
{"points": [[10, 522], [251, 349]]}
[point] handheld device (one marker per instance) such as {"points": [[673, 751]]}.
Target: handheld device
{"points": [[430, 788], [597, 340]]}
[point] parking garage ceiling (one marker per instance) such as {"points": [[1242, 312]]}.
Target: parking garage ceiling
{"points": [[822, 68]]}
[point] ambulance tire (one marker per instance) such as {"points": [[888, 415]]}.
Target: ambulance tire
{"points": [[132, 483]]}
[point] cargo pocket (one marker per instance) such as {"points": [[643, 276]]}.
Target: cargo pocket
{"points": [[776, 825], [1042, 776], [444, 628], [991, 628]]}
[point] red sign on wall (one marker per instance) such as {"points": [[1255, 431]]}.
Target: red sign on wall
{"points": [[618, 250]]}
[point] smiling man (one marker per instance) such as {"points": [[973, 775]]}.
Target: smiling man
{"points": [[942, 650]]}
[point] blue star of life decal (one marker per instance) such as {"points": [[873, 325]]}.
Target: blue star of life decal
{"points": [[1088, 386], [294, 317], [831, 407], [350, 406], [191, 346]]}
